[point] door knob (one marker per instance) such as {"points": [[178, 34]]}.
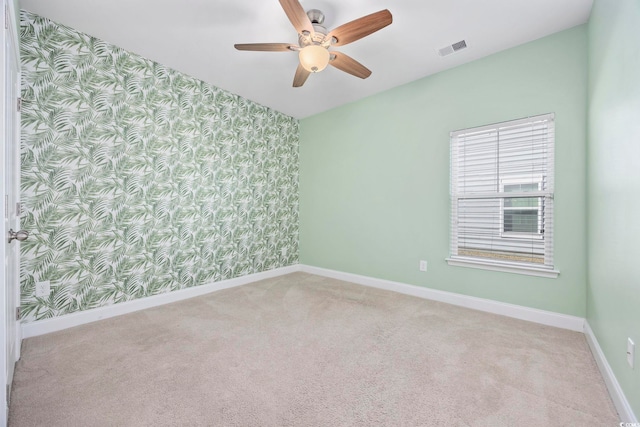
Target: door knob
{"points": [[18, 235]]}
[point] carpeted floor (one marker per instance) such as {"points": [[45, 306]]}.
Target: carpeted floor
{"points": [[303, 350]]}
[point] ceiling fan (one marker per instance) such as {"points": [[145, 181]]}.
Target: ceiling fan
{"points": [[314, 41]]}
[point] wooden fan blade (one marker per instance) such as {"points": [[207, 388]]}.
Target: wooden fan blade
{"points": [[264, 47], [296, 14], [349, 65], [300, 77], [361, 27]]}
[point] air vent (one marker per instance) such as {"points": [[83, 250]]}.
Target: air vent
{"points": [[453, 48], [460, 45]]}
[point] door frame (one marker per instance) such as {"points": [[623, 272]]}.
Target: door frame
{"points": [[9, 33]]}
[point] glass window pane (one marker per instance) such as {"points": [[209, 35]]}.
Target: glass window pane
{"points": [[521, 202], [510, 188], [521, 221]]}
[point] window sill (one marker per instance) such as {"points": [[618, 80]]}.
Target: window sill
{"points": [[506, 267]]}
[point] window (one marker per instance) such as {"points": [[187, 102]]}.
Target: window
{"points": [[502, 196]]}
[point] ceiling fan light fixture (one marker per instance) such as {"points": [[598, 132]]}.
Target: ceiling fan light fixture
{"points": [[314, 58], [314, 41]]}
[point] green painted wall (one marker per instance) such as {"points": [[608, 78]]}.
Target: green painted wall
{"points": [[613, 291], [374, 175], [139, 180]]}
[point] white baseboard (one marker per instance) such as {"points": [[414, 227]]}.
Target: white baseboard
{"points": [[40, 327], [549, 318], [615, 391], [511, 310]]}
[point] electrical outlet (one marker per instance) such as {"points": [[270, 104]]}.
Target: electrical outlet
{"points": [[43, 289], [631, 350], [283, 252], [423, 265]]}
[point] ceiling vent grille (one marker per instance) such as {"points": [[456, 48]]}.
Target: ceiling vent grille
{"points": [[453, 48]]}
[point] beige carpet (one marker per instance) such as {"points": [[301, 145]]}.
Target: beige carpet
{"points": [[302, 350]]}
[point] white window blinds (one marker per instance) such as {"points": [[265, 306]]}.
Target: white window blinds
{"points": [[502, 193]]}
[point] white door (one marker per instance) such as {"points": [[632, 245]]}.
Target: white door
{"points": [[10, 334]]}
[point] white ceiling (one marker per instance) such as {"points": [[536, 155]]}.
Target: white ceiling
{"points": [[197, 37]]}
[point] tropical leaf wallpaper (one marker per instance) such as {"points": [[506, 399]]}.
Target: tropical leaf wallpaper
{"points": [[139, 180]]}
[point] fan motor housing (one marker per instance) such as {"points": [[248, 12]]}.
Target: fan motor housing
{"points": [[319, 35]]}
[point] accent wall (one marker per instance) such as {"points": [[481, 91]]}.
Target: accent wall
{"points": [[374, 174], [139, 180], [613, 289]]}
